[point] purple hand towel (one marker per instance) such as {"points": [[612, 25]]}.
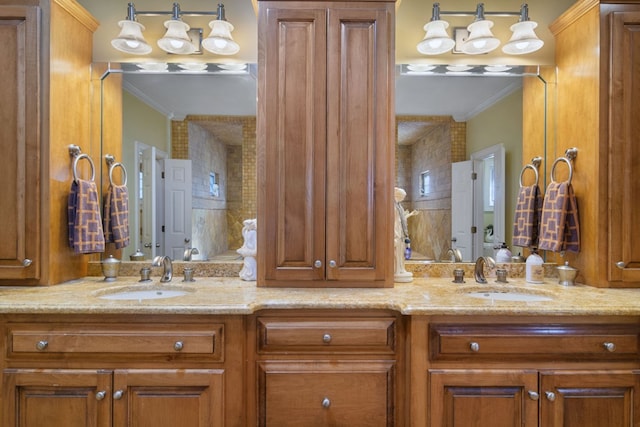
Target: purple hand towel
{"points": [[527, 217], [116, 216], [559, 226], [85, 224]]}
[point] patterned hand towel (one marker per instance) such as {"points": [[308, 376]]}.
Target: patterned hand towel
{"points": [[559, 226], [85, 224], [527, 217], [116, 216]]}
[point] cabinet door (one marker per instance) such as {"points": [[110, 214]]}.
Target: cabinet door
{"points": [[291, 147], [56, 398], [483, 398], [624, 149], [590, 399], [360, 143], [168, 398], [20, 174], [310, 394]]}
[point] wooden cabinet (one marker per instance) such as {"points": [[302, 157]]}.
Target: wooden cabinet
{"points": [[141, 373], [325, 143], [598, 85], [522, 372], [327, 369], [46, 107]]}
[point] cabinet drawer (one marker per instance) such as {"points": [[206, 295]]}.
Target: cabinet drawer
{"points": [[346, 393], [537, 341], [101, 339], [322, 335]]}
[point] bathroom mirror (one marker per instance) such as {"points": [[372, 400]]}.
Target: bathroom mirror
{"points": [[219, 139]]}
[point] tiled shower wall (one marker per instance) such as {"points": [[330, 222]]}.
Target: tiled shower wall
{"points": [[217, 222], [442, 144]]}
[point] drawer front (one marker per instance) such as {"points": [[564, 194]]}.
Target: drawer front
{"points": [[134, 339], [322, 335], [575, 342], [321, 393]]}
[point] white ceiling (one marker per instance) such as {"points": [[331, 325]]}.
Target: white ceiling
{"points": [[460, 97]]}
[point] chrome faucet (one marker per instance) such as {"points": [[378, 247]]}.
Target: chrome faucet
{"points": [[454, 255], [480, 263], [165, 262], [189, 252]]}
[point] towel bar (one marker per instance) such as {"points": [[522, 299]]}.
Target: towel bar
{"points": [[534, 165], [76, 159], [111, 162], [570, 154]]}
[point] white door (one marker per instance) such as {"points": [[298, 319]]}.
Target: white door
{"points": [[148, 224], [463, 218], [177, 207]]}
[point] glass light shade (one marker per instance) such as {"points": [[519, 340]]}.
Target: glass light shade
{"points": [[176, 40], [436, 40], [523, 40], [219, 40], [130, 39], [481, 39]]}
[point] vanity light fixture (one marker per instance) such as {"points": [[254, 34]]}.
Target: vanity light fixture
{"points": [[176, 40], [480, 40]]}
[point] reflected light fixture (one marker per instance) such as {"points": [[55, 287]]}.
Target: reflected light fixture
{"points": [[480, 40], [175, 40]]}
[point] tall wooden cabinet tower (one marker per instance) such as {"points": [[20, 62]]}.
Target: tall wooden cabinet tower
{"points": [[325, 143]]}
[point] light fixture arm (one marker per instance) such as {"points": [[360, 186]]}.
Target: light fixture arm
{"points": [[480, 10], [175, 12]]}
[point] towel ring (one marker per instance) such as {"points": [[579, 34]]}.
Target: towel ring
{"points": [[533, 168], [124, 173], [76, 159], [553, 168]]}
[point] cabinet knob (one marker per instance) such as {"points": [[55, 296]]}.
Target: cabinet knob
{"points": [[27, 262], [326, 402], [42, 345], [117, 395], [332, 264], [533, 395], [551, 396], [326, 338], [609, 346], [621, 265], [179, 345], [317, 264], [474, 346], [101, 395]]}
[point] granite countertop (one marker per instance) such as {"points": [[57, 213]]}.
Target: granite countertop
{"points": [[226, 295]]}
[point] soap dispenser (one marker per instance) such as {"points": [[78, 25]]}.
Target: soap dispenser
{"points": [[503, 254], [534, 268]]}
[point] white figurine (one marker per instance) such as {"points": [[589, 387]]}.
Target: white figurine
{"points": [[248, 250], [401, 237]]}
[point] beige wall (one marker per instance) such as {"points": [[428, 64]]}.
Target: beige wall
{"points": [[502, 123]]}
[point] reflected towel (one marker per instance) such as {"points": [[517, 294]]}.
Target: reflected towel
{"points": [[527, 217], [85, 224], [116, 216], [559, 226]]}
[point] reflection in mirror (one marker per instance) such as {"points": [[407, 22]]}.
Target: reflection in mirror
{"points": [[209, 120]]}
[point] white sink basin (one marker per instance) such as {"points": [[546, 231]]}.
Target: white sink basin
{"points": [[508, 296], [143, 292]]}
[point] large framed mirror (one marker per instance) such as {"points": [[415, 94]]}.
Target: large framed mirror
{"points": [[208, 119]]}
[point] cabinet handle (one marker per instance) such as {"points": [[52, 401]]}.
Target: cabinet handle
{"points": [[326, 338], [621, 265], [551, 396], [332, 264], [117, 395], [533, 395], [326, 402], [474, 346], [101, 395], [317, 264], [179, 345], [27, 262], [609, 346], [42, 345]]}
